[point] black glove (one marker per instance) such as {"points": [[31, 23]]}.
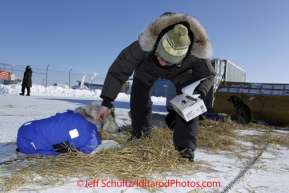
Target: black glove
{"points": [[202, 96]]}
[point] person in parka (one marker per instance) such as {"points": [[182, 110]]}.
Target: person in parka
{"points": [[27, 81], [175, 47]]}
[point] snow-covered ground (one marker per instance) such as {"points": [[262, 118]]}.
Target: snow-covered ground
{"points": [[270, 172]]}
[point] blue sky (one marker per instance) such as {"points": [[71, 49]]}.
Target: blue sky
{"points": [[87, 35]]}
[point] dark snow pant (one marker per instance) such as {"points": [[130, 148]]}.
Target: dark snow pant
{"points": [[141, 109], [23, 90], [185, 133]]}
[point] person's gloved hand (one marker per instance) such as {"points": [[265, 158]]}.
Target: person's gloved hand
{"points": [[201, 95]]}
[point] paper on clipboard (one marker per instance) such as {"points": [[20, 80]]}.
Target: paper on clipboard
{"points": [[189, 90]]}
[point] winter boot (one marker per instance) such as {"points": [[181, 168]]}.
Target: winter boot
{"points": [[28, 91], [187, 153], [21, 94]]}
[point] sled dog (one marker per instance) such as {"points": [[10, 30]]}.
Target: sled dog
{"points": [[244, 114], [66, 131], [89, 112]]}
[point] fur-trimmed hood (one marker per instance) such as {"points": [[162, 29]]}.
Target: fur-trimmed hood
{"points": [[201, 47]]}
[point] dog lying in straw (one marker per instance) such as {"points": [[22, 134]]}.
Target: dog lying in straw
{"points": [[244, 114], [71, 130]]}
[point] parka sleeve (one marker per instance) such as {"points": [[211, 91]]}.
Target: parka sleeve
{"points": [[202, 68], [121, 69], [209, 73]]}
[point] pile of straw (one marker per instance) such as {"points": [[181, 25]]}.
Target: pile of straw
{"points": [[144, 159]]}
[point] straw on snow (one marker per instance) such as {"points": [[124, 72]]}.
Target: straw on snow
{"points": [[145, 159]]}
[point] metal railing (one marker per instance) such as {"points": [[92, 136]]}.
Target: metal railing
{"points": [[44, 75]]}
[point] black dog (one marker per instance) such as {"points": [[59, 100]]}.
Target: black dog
{"points": [[244, 114]]}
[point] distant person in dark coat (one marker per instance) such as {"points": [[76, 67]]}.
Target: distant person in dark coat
{"points": [[27, 81]]}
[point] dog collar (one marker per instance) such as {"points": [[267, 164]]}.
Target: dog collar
{"points": [[102, 124]]}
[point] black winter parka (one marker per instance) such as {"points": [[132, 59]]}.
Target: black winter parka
{"points": [[139, 58], [27, 78]]}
